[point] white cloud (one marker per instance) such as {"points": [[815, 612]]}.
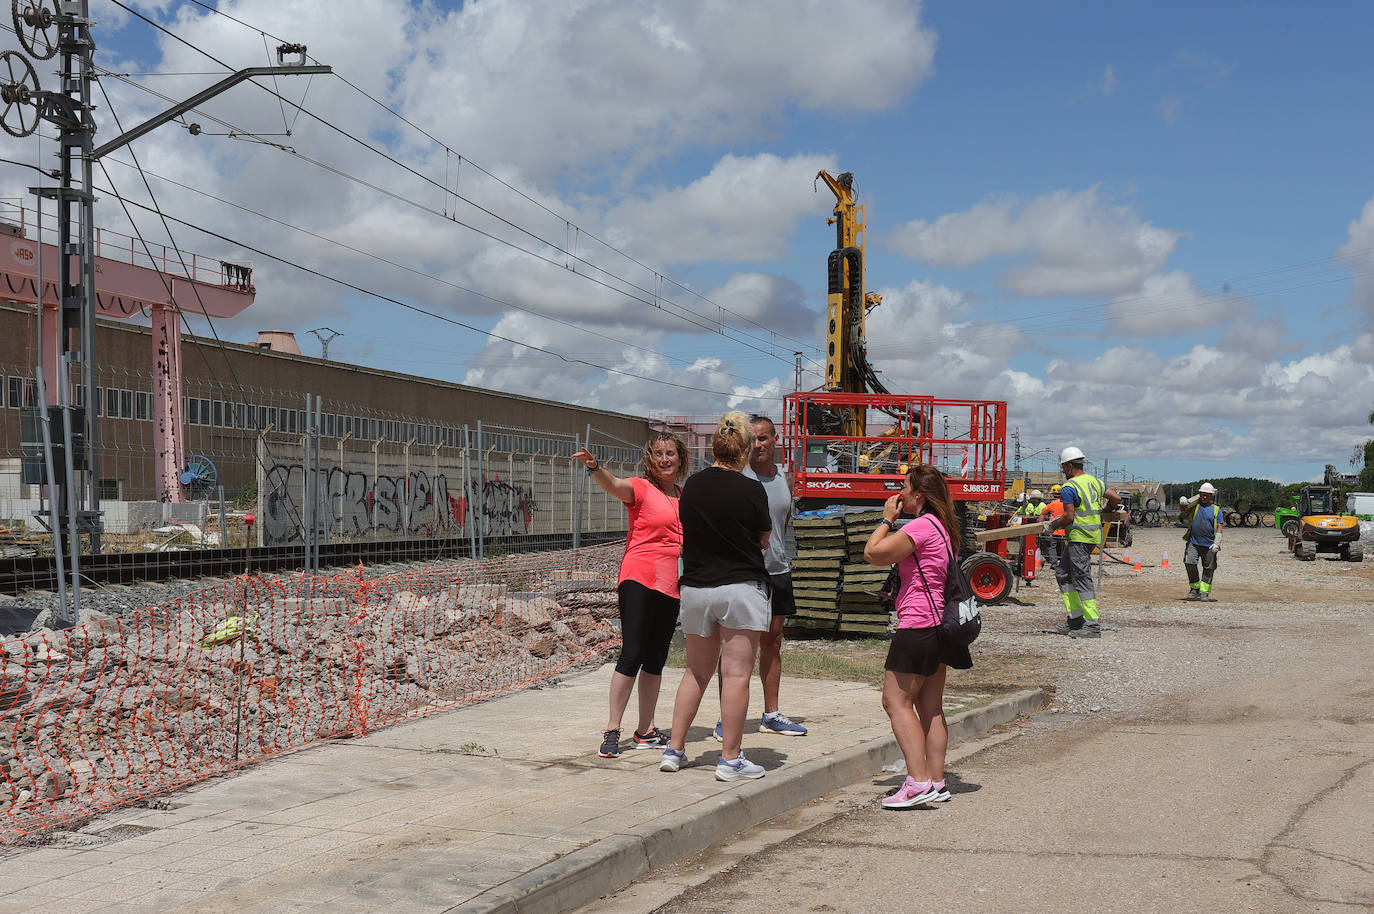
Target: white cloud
{"points": [[1358, 254], [744, 209], [1075, 243], [1109, 81], [1169, 303]]}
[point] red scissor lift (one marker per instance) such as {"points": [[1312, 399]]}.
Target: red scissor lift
{"points": [[833, 465]]}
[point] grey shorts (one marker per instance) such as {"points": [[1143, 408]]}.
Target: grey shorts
{"points": [[740, 606]]}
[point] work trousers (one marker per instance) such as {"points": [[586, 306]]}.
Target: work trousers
{"points": [[1074, 572], [1204, 555], [1048, 544]]}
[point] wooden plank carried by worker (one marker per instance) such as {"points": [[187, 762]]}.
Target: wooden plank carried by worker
{"points": [[1012, 532], [1006, 533]]}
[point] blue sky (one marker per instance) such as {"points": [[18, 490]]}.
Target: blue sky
{"points": [[1149, 227]]}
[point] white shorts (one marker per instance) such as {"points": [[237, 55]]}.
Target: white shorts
{"points": [[740, 606]]}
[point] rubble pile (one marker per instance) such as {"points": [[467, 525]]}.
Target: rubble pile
{"points": [[120, 708]]}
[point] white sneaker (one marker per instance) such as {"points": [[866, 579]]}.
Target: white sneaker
{"points": [[740, 768], [672, 760]]}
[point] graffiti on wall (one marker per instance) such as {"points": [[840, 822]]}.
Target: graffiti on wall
{"points": [[351, 505]]}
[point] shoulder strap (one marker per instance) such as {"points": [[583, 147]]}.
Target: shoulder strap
{"points": [[917, 559]]}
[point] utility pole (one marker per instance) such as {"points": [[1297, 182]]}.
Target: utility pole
{"points": [[66, 31], [796, 380], [325, 340], [1016, 460]]}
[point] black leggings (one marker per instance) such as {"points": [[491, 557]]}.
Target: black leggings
{"points": [[647, 620]]}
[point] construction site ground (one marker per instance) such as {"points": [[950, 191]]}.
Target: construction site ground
{"points": [[1198, 757], [1213, 756]]}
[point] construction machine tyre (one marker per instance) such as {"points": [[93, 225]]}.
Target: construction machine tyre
{"points": [[990, 576], [1290, 527], [1353, 552], [1306, 551]]}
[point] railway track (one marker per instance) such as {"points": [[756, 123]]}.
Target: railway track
{"points": [[28, 573]]}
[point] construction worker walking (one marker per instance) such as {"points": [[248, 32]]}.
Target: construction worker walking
{"points": [[1203, 520], [1085, 498]]}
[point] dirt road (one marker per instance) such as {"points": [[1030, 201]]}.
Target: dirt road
{"points": [[1213, 757]]}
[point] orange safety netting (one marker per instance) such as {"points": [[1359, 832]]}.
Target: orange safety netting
{"points": [[119, 709]]}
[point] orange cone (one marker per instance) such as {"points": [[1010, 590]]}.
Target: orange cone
{"points": [[1164, 562], [1137, 563], [1039, 560]]}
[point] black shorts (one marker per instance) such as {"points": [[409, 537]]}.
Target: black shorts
{"points": [[784, 603], [921, 651]]}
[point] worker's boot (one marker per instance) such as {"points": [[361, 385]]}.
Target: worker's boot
{"points": [[1205, 592], [1070, 626]]}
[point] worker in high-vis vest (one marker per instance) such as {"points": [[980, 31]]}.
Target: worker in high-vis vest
{"points": [[1085, 499], [1203, 539], [1051, 539], [1029, 513]]}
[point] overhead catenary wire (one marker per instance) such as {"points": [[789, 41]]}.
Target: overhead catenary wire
{"points": [[516, 190], [653, 298], [653, 302], [362, 290], [417, 272]]}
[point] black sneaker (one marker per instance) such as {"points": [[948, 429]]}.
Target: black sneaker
{"points": [[610, 744], [1091, 630], [654, 739], [1068, 627]]}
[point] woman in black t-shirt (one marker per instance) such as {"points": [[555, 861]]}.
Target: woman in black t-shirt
{"points": [[724, 594]]}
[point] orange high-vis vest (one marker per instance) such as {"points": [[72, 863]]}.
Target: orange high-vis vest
{"points": [[1053, 509]]}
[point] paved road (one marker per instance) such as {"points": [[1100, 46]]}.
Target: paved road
{"points": [[1250, 792]]}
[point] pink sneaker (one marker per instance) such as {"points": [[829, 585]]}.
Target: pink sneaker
{"points": [[913, 793]]}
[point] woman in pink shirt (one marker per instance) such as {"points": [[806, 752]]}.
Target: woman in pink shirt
{"points": [[914, 684], [647, 589]]}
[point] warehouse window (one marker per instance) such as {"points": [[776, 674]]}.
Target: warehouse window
{"points": [[143, 405], [126, 404]]}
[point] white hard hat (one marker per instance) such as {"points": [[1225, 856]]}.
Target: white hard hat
{"points": [[1206, 489], [1036, 493], [1070, 454]]}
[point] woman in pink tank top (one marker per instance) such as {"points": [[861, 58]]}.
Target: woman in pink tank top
{"points": [[914, 681], [647, 586]]}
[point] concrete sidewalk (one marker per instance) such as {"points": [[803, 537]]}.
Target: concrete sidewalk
{"points": [[503, 806]]}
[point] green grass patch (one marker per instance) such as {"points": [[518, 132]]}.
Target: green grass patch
{"points": [[860, 660]]}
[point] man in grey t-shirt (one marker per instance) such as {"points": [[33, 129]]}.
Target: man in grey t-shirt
{"points": [[762, 466]]}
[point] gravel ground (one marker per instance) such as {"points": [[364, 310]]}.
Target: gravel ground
{"points": [[1155, 642]]}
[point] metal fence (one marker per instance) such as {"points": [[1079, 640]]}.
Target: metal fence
{"points": [[316, 471]]}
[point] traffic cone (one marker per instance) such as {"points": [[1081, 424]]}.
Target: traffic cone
{"points": [[1164, 562], [1137, 563], [1039, 560]]}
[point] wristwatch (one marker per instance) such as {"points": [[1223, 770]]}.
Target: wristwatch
{"points": [[888, 522]]}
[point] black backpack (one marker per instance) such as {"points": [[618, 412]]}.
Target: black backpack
{"points": [[960, 621]]}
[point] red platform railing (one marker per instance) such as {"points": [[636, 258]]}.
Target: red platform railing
{"points": [[965, 439]]}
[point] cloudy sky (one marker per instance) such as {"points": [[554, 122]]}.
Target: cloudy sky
{"points": [[1149, 227]]}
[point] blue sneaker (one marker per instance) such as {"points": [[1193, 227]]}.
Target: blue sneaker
{"points": [[741, 767], [780, 724], [672, 760], [718, 734]]}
